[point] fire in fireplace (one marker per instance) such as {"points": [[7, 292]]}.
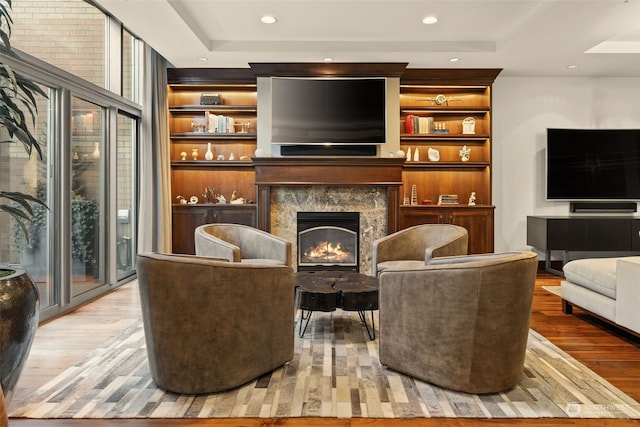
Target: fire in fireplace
{"points": [[328, 241]]}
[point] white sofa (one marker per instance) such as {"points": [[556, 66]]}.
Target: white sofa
{"points": [[607, 287]]}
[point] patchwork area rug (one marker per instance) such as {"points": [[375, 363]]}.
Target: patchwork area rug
{"points": [[335, 373]]}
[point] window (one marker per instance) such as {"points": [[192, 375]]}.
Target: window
{"points": [[130, 66], [85, 243]]}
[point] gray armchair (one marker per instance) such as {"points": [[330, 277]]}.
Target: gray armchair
{"points": [[461, 323], [415, 246], [212, 325], [241, 243]]}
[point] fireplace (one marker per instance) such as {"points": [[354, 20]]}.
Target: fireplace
{"points": [[328, 241], [370, 186]]}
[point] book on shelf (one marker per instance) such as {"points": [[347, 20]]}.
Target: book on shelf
{"points": [[448, 199], [418, 125], [218, 123], [408, 123]]}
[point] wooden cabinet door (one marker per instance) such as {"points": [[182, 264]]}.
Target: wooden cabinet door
{"points": [[479, 224], [185, 221], [410, 216], [231, 214]]}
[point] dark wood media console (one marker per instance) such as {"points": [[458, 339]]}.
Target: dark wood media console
{"points": [[583, 234]]}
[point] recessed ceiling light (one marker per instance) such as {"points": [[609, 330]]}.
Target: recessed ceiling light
{"points": [[429, 20], [572, 66], [268, 19], [328, 59], [454, 59], [202, 58]]}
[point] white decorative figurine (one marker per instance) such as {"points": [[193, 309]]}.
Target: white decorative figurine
{"points": [[434, 155], [469, 126], [472, 199], [465, 153], [414, 195]]}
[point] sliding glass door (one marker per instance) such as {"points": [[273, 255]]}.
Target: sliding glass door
{"points": [[126, 194], [87, 195], [32, 175]]}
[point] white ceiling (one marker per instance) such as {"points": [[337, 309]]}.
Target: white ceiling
{"points": [[524, 37]]}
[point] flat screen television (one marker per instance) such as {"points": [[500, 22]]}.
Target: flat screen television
{"points": [[593, 164], [328, 111]]}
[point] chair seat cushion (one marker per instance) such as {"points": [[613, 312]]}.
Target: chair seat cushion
{"points": [[596, 274], [405, 264], [261, 261]]}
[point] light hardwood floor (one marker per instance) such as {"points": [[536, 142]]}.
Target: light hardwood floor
{"points": [[61, 342]]}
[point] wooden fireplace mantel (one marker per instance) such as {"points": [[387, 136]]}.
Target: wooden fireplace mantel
{"points": [[297, 171]]}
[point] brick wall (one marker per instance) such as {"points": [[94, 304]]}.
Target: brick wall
{"points": [[69, 34]]}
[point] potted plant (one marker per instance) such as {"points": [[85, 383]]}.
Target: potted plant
{"points": [[19, 299]]}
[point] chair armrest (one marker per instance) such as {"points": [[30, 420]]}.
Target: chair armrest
{"points": [[397, 246], [210, 246], [454, 245], [628, 293], [461, 259]]}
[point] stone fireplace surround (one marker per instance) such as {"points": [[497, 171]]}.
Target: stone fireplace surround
{"points": [[287, 185]]}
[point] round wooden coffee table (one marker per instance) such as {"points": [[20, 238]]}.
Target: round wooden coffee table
{"points": [[328, 290]]}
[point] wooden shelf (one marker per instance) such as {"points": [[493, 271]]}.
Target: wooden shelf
{"points": [[448, 165], [212, 163], [435, 205], [445, 137], [214, 136], [205, 108], [224, 205], [437, 109]]}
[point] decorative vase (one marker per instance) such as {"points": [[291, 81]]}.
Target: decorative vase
{"points": [[209, 154], [19, 314]]}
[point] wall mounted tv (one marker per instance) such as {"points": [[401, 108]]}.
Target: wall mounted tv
{"points": [[328, 110], [593, 164]]}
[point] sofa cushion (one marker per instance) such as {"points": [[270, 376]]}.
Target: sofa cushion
{"points": [[596, 274]]}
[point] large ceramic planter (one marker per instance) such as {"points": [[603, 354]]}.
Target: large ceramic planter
{"points": [[19, 310], [4, 420]]}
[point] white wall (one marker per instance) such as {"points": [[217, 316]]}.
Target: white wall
{"points": [[523, 108]]}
